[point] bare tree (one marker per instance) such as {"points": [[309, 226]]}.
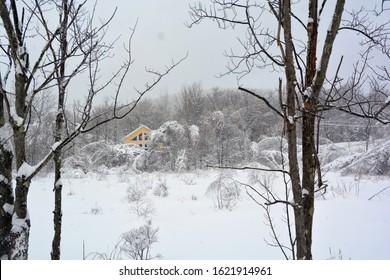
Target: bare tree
{"points": [[62, 85], [278, 38], [73, 47]]}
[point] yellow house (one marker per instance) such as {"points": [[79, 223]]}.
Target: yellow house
{"points": [[139, 137]]}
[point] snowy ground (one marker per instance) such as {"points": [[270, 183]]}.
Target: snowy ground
{"points": [[96, 212]]}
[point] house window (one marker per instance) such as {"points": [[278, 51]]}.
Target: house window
{"points": [[146, 136], [134, 139], [140, 136]]}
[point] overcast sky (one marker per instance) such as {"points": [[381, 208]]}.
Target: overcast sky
{"points": [[161, 36]]}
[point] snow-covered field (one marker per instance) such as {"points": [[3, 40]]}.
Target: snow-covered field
{"points": [[348, 224]]}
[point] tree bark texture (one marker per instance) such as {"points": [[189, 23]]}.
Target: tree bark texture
{"points": [[57, 213], [57, 218], [20, 221], [6, 190], [308, 128], [291, 132], [313, 86], [20, 227]]}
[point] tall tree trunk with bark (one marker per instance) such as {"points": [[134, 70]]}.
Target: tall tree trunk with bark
{"points": [[20, 221], [309, 113], [57, 218], [20, 230], [291, 132], [314, 80], [303, 192], [6, 190]]}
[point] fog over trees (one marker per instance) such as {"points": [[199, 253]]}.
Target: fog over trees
{"points": [[229, 131]]}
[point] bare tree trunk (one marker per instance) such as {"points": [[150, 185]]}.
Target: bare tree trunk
{"points": [[6, 191], [6, 201], [313, 85], [308, 174], [20, 222], [57, 213], [308, 128], [291, 132], [20, 231], [57, 219]]}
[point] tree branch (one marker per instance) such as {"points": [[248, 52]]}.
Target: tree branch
{"points": [[262, 99], [248, 168]]}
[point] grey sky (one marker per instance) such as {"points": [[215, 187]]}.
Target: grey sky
{"points": [[161, 37]]}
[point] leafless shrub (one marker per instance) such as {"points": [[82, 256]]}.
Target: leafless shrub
{"points": [[135, 193], [161, 189], [96, 210], [113, 254], [344, 189], [224, 192], [334, 256], [138, 242], [188, 179], [144, 182], [135, 244], [144, 208]]}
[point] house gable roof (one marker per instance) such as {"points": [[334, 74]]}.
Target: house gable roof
{"points": [[137, 131]]}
